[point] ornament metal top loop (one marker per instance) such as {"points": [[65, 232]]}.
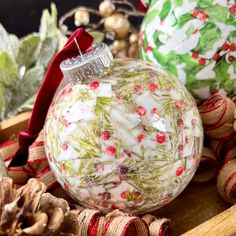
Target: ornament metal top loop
{"points": [[92, 62]]}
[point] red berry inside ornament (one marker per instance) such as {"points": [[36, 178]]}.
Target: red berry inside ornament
{"points": [[179, 104], [106, 135], [141, 110], [153, 87], [138, 89], [154, 111], [64, 146], [94, 85], [161, 137], [141, 137], [111, 150], [124, 194], [179, 171], [180, 122]]}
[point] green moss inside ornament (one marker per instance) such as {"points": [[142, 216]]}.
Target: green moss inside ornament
{"points": [[193, 40], [129, 137]]}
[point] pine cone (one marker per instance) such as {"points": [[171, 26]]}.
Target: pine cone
{"points": [[30, 211]]}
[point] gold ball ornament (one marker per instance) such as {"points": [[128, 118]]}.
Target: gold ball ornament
{"points": [[119, 24], [133, 51], [118, 46], [133, 38], [81, 17], [106, 8]]}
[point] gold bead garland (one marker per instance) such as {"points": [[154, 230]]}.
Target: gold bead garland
{"points": [[113, 23]]}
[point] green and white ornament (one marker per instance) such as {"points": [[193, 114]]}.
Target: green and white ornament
{"points": [[121, 134], [195, 40]]}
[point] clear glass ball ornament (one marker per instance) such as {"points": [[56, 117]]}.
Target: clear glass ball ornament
{"points": [[121, 134]]}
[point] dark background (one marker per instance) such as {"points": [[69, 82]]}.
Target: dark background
{"points": [[23, 16]]}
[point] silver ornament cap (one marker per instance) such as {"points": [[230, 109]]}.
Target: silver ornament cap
{"points": [[84, 66]]}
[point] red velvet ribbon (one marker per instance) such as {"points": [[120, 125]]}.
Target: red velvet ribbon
{"points": [[46, 92], [141, 6]]}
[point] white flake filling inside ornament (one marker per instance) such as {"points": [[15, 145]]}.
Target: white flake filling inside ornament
{"points": [[129, 138]]}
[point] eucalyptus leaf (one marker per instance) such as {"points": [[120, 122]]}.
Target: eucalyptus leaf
{"points": [[48, 23], [2, 101], [48, 49], [14, 43], [8, 69], [27, 86], [28, 50], [5, 42], [62, 39], [27, 105], [98, 36]]}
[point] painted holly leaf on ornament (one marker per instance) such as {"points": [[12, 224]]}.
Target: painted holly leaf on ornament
{"points": [[178, 3], [222, 71], [209, 35], [163, 60], [166, 8], [151, 15], [205, 3], [216, 13], [28, 49], [183, 19]]}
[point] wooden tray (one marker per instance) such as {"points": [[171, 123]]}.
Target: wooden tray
{"points": [[198, 211]]}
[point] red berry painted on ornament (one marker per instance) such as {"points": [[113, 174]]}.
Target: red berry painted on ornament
{"points": [[225, 47], [216, 56], [231, 58], [195, 55], [202, 61]]}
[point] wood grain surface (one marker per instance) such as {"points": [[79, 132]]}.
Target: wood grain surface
{"points": [[190, 213], [197, 204]]}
